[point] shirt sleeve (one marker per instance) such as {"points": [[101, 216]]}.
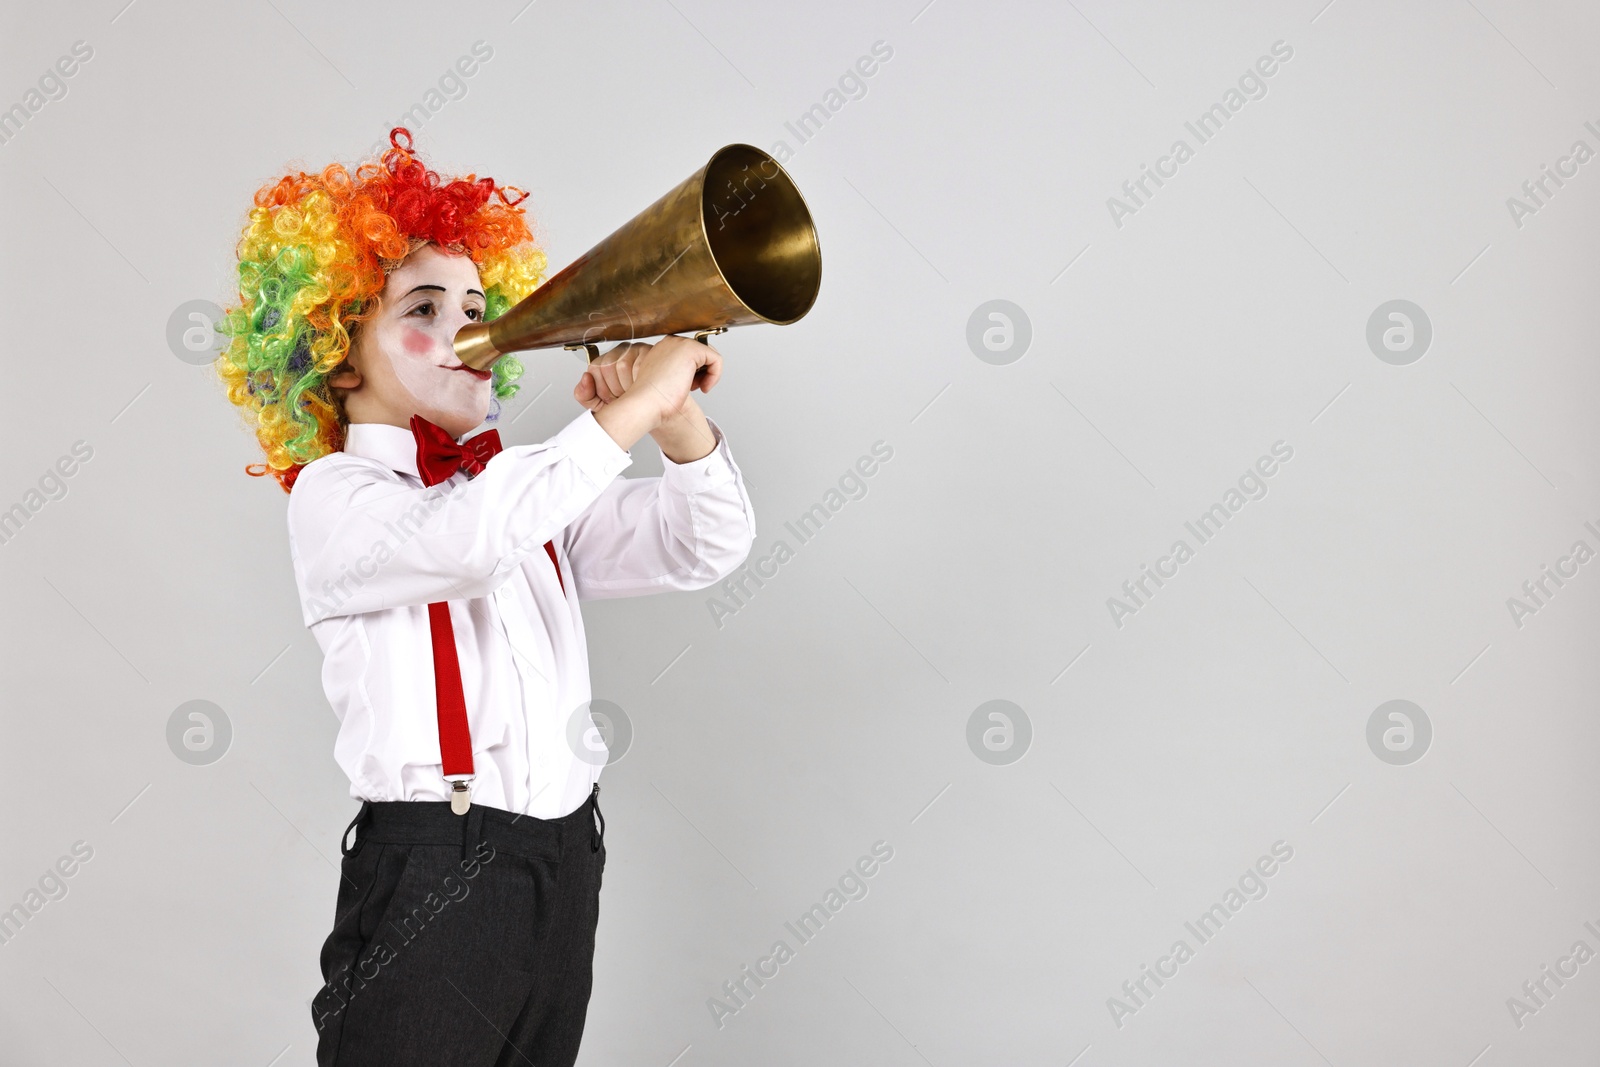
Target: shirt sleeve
{"points": [[365, 538], [686, 529]]}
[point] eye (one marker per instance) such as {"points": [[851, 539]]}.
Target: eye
{"points": [[426, 307], [475, 314]]}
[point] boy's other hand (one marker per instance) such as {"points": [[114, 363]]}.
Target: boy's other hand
{"points": [[638, 388], [608, 376], [662, 374]]}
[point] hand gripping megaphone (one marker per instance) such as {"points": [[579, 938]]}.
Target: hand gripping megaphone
{"points": [[732, 244]]}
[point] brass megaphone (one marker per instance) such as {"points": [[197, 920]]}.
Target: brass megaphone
{"points": [[732, 244]]}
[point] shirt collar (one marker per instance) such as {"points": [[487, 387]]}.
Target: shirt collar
{"points": [[393, 446]]}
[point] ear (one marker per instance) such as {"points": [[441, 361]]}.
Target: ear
{"points": [[346, 377]]}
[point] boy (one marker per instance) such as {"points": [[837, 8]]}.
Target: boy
{"points": [[441, 575]]}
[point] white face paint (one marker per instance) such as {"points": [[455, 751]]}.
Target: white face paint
{"points": [[404, 353]]}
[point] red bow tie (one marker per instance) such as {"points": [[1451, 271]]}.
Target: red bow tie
{"points": [[438, 455]]}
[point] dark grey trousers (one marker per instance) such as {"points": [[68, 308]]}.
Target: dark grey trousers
{"points": [[461, 939]]}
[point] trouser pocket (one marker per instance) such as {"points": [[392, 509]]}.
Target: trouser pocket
{"points": [[362, 878], [450, 954]]}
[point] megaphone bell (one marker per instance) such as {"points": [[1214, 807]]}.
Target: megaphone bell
{"points": [[730, 245]]}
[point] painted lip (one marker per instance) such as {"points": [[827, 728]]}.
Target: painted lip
{"points": [[481, 375]]}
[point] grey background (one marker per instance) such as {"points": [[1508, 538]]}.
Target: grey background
{"points": [[832, 711]]}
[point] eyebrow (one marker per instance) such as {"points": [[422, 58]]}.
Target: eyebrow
{"points": [[441, 289]]}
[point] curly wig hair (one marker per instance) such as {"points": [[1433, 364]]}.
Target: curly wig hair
{"points": [[312, 260]]}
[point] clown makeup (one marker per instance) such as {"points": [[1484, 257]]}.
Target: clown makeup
{"points": [[403, 359]]}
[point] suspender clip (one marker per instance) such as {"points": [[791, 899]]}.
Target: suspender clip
{"points": [[460, 797]]}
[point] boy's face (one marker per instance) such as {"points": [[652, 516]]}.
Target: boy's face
{"points": [[402, 357]]}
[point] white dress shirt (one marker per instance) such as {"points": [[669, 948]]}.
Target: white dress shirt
{"points": [[372, 547]]}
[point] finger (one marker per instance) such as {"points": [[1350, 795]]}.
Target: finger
{"points": [[710, 370], [584, 393], [617, 377], [603, 383], [621, 371], [710, 361], [593, 399], [612, 381], [644, 355]]}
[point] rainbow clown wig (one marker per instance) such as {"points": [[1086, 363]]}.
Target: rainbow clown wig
{"points": [[312, 261]]}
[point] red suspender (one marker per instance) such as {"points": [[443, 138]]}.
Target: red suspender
{"points": [[455, 738], [550, 547]]}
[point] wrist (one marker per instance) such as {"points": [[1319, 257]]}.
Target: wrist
{"points": [[628, 418], [686, 436]]}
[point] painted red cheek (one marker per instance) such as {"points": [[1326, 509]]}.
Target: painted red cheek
{"points": [[416, 342]]}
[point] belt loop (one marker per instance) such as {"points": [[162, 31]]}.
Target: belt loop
{"points": [[600, 832], [471, 831], [363, 816]]}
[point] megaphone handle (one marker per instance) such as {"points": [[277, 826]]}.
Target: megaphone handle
{"points": [[594, 349]]}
